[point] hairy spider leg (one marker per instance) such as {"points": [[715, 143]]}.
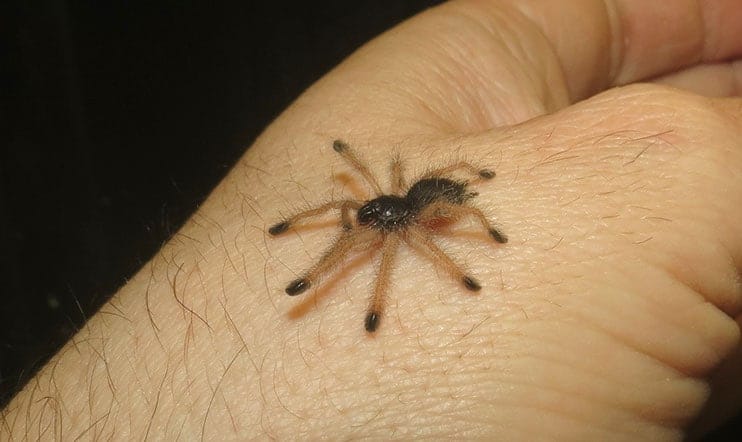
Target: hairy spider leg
{"points": [[346, 243], [481, 174], [377, 303], [348, 155], [455, 212], [398, 181], [345, 207], [416, 239]]}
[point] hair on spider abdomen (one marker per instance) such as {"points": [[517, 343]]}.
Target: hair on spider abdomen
{"points": [[428, 190], [408, 214]]}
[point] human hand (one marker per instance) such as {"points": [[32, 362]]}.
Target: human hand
{"points": [[603, 317]]}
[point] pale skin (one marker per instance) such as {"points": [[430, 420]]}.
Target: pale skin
{"points": [[609, 314]]}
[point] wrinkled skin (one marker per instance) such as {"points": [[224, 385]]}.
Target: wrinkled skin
{"points": [[610, 314]]}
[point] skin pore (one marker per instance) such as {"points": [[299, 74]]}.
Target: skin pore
{"points": [[606, 315]]}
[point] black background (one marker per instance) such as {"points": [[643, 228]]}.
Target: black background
{"points": [[117, 120]]}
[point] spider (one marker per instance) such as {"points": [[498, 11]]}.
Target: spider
{"points": [[406, 215]]}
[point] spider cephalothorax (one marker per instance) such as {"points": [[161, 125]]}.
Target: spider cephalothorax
{"points": [[406, 215], [387, 213]]}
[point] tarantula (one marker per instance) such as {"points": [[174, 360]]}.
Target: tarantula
{"points": [[407, 214]]}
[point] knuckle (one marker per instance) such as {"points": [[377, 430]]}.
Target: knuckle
{"points": [[660, 103], [696, 127]]}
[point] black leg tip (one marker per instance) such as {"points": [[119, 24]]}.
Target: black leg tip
{"points": [[486, 174], [279, 228], [339, 145], [471, 284], [299, 286], [372, 322], [497, 236]]}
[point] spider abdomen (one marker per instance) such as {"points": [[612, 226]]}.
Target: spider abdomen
{"points": [[430, 190]]}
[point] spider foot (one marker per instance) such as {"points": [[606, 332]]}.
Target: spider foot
{"points": [[372, 321], [339, 145], [279, 228], [486, 174], [298, 286], [471, 284], [498, 236]]}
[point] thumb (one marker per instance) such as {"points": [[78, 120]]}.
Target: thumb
{"points": [[467, 66]]}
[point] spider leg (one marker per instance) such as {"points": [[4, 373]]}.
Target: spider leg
{"points": [[415, 238], [398, 181], [347, 242], [348, 155], [454, 212], [345, 218], [345, 207], [376, 304], [481, 174]]}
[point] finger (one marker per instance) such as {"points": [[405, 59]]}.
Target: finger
{"points": [[725, 401], [711, 80], [603, 44]]}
